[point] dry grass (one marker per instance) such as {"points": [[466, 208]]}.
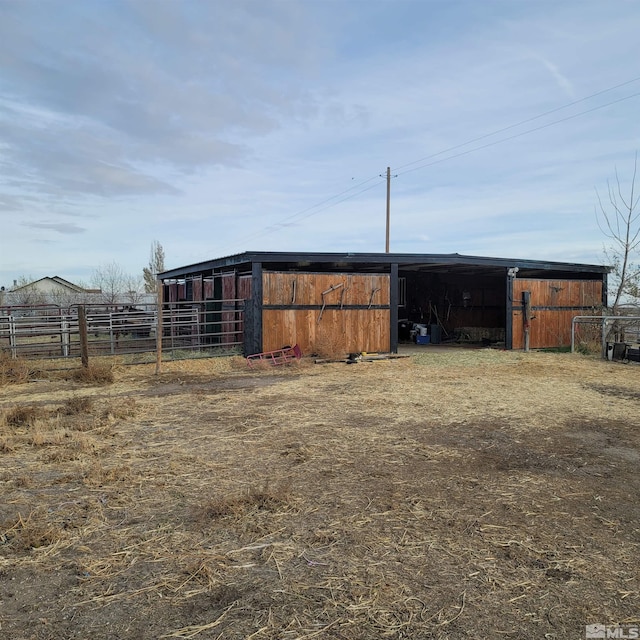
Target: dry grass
{"points": [[95, 373], [77, 405], [22, 415], [30, 531], [13, 371], [456, 494], [329, 346], [264, 499]]}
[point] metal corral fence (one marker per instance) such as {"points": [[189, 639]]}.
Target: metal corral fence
{"points": [[602, 333], [49, 331]]}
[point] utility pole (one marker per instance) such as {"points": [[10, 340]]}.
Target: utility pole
{"points": [[388, 207]]}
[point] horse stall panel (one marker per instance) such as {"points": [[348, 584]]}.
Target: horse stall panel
{"points": [[229, 316], [197, 289], [207, 288], [554, 303], [244, 287], [228, 286], [289, 289], [353, 315], [339, 331]]}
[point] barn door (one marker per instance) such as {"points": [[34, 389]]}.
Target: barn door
{"points": [[552, 306]]}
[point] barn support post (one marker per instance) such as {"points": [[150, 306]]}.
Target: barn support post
{"points": [[508, 328], [253, 320], [394, 299], [526, 317], [160, 287]]}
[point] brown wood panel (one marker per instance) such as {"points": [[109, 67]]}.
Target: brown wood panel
{"points": [[340, 330], [208, 288], [244, 288], [228, 286], [551, 326], [197, 289], [306, 288]]}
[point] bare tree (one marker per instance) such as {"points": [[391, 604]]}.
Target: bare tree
{"points": [[619, 221], [115, 285], [156, 266], [134, 290]]}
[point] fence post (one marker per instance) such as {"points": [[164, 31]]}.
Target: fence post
{"points": [[84, 344], [111, 336], [12, 337], [64, 328]]}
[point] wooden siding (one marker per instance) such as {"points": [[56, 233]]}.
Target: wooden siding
{"points": [[353, 319], [244, 287], [279, 288], [229, 316], [197, 289], [554, 303], [208, 288]]}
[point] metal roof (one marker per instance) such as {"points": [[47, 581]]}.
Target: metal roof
{"points": [[415, 261]]}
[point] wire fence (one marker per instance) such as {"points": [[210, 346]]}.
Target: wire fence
{"points": [[49, 331]]}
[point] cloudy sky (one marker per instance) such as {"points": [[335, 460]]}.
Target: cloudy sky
{"points": [[218, 126]]}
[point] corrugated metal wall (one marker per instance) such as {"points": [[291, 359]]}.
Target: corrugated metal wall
{"points": [[554, 303], [356, 316]]}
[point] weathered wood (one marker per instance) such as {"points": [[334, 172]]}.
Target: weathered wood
{"points": [[352, 316], [278, 288], [340, 331], [84, 343], [553, 303]]}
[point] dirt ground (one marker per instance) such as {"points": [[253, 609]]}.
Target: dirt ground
{"points": [[452, 494]]}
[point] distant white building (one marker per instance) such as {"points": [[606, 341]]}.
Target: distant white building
{"points": [[48, 290]]}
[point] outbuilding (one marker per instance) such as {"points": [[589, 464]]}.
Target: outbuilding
{"points": [[353, 302]]}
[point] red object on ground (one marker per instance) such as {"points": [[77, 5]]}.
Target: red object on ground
{"points": [[278, 357]]}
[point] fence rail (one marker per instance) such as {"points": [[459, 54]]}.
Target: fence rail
{"points": [[54, 332]]}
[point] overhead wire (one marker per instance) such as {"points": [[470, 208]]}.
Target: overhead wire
{"points": [[519, 124], [313, 210], [516, 135], [335, 199]]}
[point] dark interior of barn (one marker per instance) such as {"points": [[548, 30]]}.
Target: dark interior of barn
{"points": [[449, 304]]}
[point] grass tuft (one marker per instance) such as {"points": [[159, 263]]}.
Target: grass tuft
{"points": [[265, 499], [77, 405], [13, 370], [30, 532], [23, 416], [95, 373]]}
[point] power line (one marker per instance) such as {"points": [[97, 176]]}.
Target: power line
{"points": [[518, 124], [335, 199], [310, 210], [517, 135]]}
